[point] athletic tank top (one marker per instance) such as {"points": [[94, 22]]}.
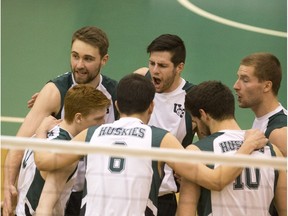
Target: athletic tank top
{"points": [[271, 121], [107, 86], [121, 185], [31, 183], [169, 113], [252, 191]]}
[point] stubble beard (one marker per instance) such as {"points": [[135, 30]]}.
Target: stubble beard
{"points": [[89, 79]]}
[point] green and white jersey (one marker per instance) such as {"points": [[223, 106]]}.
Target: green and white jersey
{"points": [[169, 114], [107, 86], [122, 185], [251, 193], [31, 183], [271, 121]]}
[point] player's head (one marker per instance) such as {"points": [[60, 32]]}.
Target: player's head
{"points": [[166, 62], [88, 54], [94, 37], [169, 43], [135, 93], [213, 97], [259, 78], [84, 104]]}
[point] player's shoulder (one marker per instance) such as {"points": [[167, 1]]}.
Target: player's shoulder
{"points": [[108, 81], [188, 85]]}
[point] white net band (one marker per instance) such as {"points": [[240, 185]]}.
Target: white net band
{"points": [[72, 147]]}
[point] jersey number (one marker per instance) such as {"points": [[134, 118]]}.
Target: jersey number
{"points": [[251, 182], [117, 164]]}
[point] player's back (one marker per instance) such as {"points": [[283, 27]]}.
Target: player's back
{"points": [[119, 185], [252, 191]]}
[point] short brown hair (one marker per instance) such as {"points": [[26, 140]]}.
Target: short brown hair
{"points": [[267, 68], [93, 36]]}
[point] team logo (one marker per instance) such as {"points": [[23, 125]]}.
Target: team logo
{"points": [[179, 110], [50, 133]]}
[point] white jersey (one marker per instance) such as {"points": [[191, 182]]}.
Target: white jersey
{"points": [[252, 191], [108, 87], [30, 181], [169, 114], [117, 185], [273, 120]]}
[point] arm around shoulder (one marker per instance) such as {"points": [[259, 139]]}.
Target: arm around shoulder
{"points": [[279, 138], [141, 71], [47, 161]]}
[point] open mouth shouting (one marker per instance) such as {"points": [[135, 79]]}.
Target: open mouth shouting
{"points": [[156, 82]]}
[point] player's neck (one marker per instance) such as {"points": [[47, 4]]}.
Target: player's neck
{"points": [[95, 82], [143, 117], [227, 124], [265, 107], [70, 128]]}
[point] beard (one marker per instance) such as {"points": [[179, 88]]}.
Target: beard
{"points": [[83, 76], [166, 84]]}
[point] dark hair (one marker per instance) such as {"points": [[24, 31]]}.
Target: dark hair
{"points": [[134, 94], [267, 68], [172, 44], [213, 97], [93, 36]]}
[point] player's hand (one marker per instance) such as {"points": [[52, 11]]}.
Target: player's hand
{"points": [[256, 138], [30, 103], [10, 201], [46, 125]]}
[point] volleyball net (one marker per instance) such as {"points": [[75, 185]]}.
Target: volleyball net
{"points": [[157, 154], [160, 154]]}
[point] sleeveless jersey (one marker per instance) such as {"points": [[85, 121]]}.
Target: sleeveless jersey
{"points": [[108, 87], [271, 121], [169, 113], [31, 183], [122, 185], [253, 190]]}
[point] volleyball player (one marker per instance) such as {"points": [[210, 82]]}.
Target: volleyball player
{"points": [[89, 53], [126, 186], [166, 64], [84, 106], [257, 86], [212, 107]]}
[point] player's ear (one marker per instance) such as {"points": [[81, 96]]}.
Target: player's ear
{"points": [[268, 86], [104, 59], [151, 107], [78, 118], [203, 114], [116, 105], [180, 67]]}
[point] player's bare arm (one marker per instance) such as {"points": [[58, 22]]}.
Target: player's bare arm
{"points": [[279, 138], [142, 71], [281, 188], [218, 178], [48, 102], [43, 159], [188, 198]]}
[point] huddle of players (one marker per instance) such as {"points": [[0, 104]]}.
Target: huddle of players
{"points": [[168, 102]]}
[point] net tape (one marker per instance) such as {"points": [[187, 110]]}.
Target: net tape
{"points": [[73, 147]]}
